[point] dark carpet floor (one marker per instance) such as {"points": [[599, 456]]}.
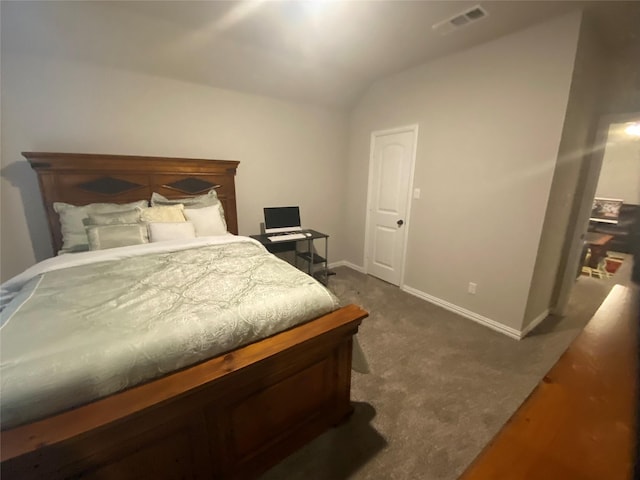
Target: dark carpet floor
{"points": [[440, 385]]}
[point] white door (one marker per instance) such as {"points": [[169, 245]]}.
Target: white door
{"points": [[391, 174]]}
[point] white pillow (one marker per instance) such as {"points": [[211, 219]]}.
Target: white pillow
{"points": [[207, 221], [163, 231], [169, 213], [74, 236]]}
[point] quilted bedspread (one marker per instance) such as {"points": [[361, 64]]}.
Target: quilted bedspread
{"points": [[82, 331]]}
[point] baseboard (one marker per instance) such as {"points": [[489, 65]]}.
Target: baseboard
{"points": [[534, 323], [487, 322], [345, 263]]}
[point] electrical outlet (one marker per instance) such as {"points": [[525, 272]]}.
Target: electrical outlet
{"points": [[472, 288], [416, 193]]}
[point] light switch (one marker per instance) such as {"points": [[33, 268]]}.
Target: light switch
{"points": [[416, 193]]}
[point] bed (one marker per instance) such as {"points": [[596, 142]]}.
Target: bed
{"points": [[232, 415]]}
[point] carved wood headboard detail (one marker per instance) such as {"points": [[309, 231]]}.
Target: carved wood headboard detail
{"points": [[79, 179]]}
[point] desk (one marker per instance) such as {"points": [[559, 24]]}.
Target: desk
{"points": [[309, 256], [598, 244]]}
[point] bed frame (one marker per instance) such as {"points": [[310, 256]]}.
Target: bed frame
{"points": [[232, 416]]}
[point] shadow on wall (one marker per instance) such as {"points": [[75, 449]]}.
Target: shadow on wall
{"points": [[21, 175]]}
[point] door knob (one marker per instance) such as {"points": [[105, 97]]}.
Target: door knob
{"points": [[400, 223]]}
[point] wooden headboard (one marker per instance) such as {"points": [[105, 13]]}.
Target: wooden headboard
{"points": [[80, 179]]}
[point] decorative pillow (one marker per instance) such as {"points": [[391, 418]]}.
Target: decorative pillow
{"points": [[161, 232], [113, 218], [169, 213], [112, 236], [207, 221], [74, 236], [199, 201]]}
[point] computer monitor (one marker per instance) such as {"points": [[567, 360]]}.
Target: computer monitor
{"points": [[606, 210], [281, 219]]}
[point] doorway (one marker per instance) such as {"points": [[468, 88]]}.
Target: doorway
{"points": [[391, 166], [610, 131]]}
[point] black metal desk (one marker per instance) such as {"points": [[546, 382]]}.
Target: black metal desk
{"points": [[309, 256]]}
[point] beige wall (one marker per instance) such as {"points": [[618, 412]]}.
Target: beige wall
{"points": [[578, 136], [290, 154], [623, 81], [490, 126], [620, 173]]}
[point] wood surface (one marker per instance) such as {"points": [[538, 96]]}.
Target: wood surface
{"points": [[232, 416], [579, 423], [598, 244], [598, 239]]}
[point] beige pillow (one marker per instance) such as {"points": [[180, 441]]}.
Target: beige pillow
{"points": [[113, 218], [74, 235], [168, 213], [112, 236], [198, 201]]}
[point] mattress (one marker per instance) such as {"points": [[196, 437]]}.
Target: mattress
{"points": [[83, 326]]}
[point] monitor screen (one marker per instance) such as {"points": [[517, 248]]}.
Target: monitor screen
{"points": [[606, 210], [281, 219]]}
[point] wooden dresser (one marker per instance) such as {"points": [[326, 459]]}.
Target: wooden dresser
{"points": [[580, 421]]}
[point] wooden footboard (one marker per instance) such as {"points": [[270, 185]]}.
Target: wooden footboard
{"points": [[232, 416]]}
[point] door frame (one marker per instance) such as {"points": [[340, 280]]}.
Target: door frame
{"points": [[581, 224], [414, 128]]}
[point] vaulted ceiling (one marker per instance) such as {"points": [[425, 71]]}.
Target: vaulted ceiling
{"points": [[317, 51]]}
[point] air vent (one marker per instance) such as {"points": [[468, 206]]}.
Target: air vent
{"points": [[475, 14], [460, 20]]}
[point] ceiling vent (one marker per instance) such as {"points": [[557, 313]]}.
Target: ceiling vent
{"points": [[460, 20]]}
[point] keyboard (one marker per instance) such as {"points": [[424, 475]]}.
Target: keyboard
{"points": [[287, 237]]}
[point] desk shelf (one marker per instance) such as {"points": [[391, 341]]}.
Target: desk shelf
{"points": [[318, 267], [321, 274], [306, 256]]}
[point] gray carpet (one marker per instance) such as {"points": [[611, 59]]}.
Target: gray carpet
{"points": [[440, 385]]}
